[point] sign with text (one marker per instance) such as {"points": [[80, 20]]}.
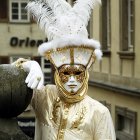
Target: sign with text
{"points": [[27, 42]]}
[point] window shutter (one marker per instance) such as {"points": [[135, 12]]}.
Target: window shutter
{"points": [[38, 59], [4, 60], [104, 24], [124, 28], [3, 9]]}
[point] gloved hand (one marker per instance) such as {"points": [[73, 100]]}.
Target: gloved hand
{"points": [[35, 78]]}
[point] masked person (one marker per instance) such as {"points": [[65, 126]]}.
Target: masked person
{"points": [[64, 111]]}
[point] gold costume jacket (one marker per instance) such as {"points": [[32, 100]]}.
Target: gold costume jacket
{"points": [[57, 120]]}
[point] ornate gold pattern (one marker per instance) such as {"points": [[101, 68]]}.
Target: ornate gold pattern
{"points": [[79, 58], [63, 59], [55, 112], [80, 118], [92, 58], [63, 122], [82, 48], [68, 97], [68, 47], [68, 70]]}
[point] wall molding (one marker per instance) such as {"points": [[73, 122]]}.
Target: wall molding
{"points": [[116, 88]]}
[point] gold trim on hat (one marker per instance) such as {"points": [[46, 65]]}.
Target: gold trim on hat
{"points": [[92, 58], [72, 56], [67, 47], [71, 48]]}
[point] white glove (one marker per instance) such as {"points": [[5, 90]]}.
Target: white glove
{"points": [[35, 78]]}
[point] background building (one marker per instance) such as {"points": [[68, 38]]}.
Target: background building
{"points": [[115, 81], [20, 37]]}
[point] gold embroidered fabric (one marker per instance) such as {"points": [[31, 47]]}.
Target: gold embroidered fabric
{"points": [[57, 120], [80, 117]]}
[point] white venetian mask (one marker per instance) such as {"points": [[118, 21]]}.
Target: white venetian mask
{"points": [[72, 77]]}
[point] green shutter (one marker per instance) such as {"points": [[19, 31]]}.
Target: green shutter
{"points": [[38, 59], [104, 24], [3, 10], [4, 60], [124, 24]]}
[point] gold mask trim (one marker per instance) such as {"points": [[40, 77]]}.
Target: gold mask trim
{"points": [[68, 97], [71, 70]]}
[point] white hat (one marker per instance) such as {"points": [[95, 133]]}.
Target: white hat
{"points": [[65, 27]]}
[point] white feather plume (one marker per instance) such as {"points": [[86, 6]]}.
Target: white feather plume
{"points": [[42, 13], [71, 40], [83, 9], [47, 14], [57, 18], [58, 6], [64, 25]]}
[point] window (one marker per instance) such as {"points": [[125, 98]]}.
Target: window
{"points": [[47, 70], [130, 24], [4, 60], [127, 25], [18, 12], [105, 25], [3, 10], [125, 124]]}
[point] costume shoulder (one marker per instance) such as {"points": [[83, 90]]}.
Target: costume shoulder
{"points": [[96, 105], [102, 120]]}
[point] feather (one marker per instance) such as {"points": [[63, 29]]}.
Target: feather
{"points": [[83, 9], [42, 13], [57, 18], [70, 40], [59, 7]]}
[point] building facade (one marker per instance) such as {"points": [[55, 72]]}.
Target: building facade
{"points": [[20, 37], [115, 81]]}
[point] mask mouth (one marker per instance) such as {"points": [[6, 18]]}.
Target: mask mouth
{"points": [[72, 86]]}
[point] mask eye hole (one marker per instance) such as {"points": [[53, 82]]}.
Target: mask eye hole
{"points": [[78, 73], [66, 73]]}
